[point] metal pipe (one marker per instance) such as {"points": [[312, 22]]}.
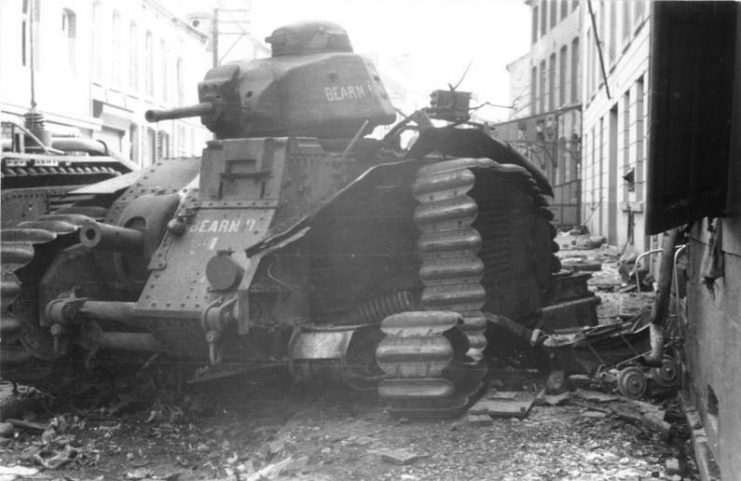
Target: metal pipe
{"points": [[130, 341], [660, 308], [111, 238], [638, 260], [203, 108], [109, 311]]}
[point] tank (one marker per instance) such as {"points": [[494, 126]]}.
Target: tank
{"points": [[40, 171], [296, 240]]}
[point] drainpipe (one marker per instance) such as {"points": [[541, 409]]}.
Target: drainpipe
{"points": [[660, 309]]}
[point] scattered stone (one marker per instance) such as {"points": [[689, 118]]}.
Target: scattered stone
{"points": [[579, 380], [593, 414], [672, 466], [400, 457], [556, 382], [479, 419], [596, 396], [202, 447], [18, 470], [276, 446], [518, 407], [581, 265], [502, 395], [138, 474], [272, 471], [556, 399], [19, 423], [6, 430]]}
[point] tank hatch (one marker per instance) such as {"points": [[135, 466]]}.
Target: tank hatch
{"points": [[309, 37]]}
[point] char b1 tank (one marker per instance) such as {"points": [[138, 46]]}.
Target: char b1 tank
{"points": [[296, 239]]}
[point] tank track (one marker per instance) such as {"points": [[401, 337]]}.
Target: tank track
{"points": [[430, 372], [433, 358], [26, 251]]}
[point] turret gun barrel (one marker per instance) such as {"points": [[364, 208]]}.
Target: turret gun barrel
{"points": [[111, 238], [203, 108]]}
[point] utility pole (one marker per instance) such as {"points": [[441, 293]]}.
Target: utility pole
{"points": [[215, 33], [235, 22]]}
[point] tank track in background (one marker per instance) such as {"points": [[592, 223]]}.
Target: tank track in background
{"points": [[430, 371]]}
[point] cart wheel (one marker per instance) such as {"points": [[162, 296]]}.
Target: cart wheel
{"points": [[666, 375], [631, 382]]}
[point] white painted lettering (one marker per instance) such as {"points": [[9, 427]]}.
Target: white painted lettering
{"points": [[234, 226], [224, 226]]}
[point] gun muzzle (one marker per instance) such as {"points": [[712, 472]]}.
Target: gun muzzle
{"points": [[204, 108], [111, 238]]}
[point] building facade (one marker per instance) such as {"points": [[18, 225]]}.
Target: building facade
{"points": [[615, 36], [545, 89], [99, 65]]}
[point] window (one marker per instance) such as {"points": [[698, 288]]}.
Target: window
{"points": [[612, 47], [149, 64], [180, 81], [97, 40], [628, 186], [562, 70], [150, 148], [552, 82], [564, 8], [638, 12], [543, 17], [134, 143], [535, 24], [133, 56], [30, 33], [117, 56], [574, 4], [163, 145], [163, 74], [589, 81], [541, 88], [533, 89], [554, 13], [639, 136], [69, 32], [575, 76], [626, 21]]}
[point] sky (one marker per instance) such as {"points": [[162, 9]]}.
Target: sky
{"points": [[432, 41]]}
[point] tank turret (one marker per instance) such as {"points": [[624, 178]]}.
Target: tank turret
{"points": [[312, 86]]}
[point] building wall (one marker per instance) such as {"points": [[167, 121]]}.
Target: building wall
{"points": [[615, 126], [554, 78], [519, 87], [545, 90], [713, 345], [62, 75], [101, 65]]}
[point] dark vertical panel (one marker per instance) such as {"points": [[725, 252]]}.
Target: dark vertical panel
{"points": [[690, 98]]}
